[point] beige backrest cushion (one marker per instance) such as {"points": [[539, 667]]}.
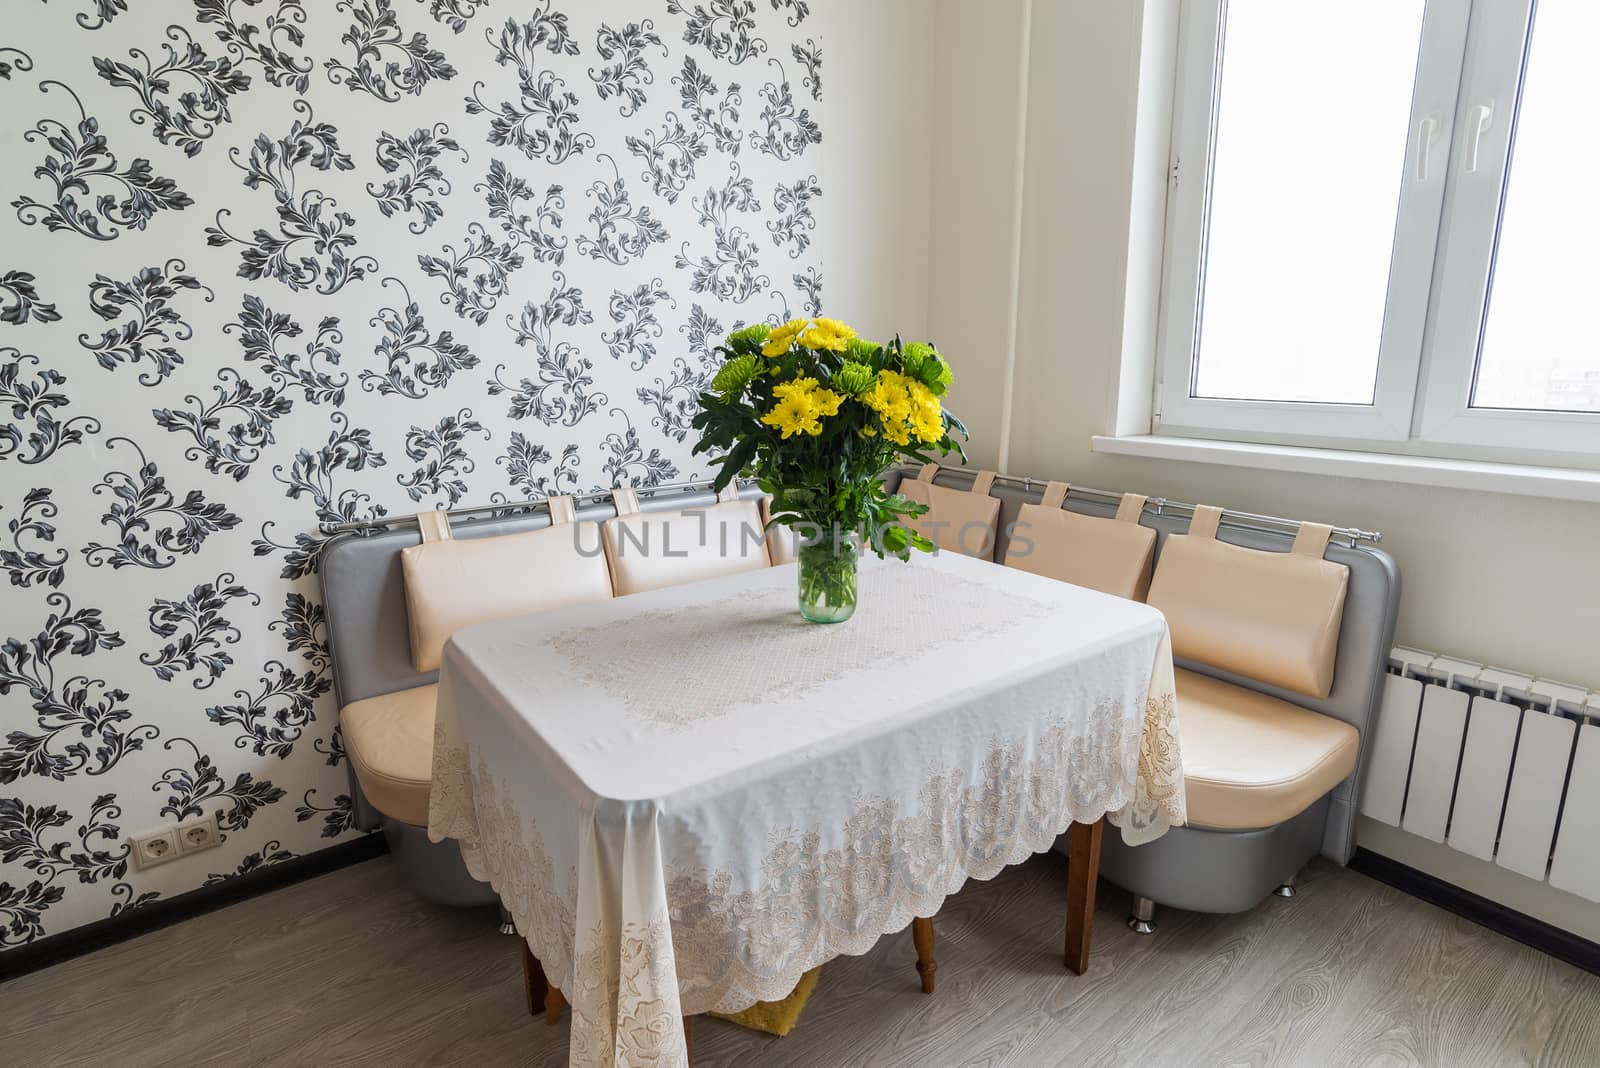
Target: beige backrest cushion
{"points": [[652, 550], [783, 544], [1273, 617], [957, 521], [1110, 555], [453, 584]]}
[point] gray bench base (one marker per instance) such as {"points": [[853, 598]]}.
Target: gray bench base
{"points": [[1202, 870], [435, 870]]}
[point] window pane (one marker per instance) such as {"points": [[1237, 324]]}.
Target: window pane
{"points": [[1541, 348], [1313, 112]]}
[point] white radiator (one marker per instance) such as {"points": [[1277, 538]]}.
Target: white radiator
{"points": [[1501, 766]]}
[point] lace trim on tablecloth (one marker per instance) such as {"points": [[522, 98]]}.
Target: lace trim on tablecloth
{"points": [[500, 851], [733, 947], [1159, 801]]}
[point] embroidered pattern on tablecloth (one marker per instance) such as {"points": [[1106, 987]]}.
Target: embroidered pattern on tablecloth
{"points": [[744, 647]]}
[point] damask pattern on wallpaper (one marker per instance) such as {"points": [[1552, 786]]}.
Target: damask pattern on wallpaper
{"points": [[269, 266]]}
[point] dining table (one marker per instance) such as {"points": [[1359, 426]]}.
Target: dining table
{"points": [[689, 798]]}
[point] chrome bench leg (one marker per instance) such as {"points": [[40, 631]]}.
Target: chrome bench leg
{"points": [[1287, 889], [1143, 920], [507, 927]]}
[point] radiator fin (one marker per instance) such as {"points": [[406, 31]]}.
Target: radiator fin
{"points": [[1385, 795], [1485, 770], [1576, 868], [1543, 750], [1433, 768]]}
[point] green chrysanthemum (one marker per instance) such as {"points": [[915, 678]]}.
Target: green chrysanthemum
{"points": [[750, 339], [923, 362], [862, 351], [916, 354], [936, 375], [852, 378], [736, 374]]}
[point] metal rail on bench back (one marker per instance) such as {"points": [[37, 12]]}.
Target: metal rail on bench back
{"points": [[532, 504], [1157, 505], [1232, 517]]}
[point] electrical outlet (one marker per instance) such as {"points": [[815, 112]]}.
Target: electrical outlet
{"points": [[155, 847], [199, 834], [171, 842]]}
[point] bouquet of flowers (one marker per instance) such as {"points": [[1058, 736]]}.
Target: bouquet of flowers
{"points": [[816, 414]]}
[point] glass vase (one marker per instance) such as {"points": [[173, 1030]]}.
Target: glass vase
{"points": [[828, 578]]}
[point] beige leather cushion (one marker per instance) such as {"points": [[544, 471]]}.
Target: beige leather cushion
{"points": [[1268, 616], [783, 544], [653, 550], [1102, 554], [454, 584], [957, 521], [1252, 761], [389, 740]]}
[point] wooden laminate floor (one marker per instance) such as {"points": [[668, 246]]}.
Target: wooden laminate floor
{"points": [[350, 969]]}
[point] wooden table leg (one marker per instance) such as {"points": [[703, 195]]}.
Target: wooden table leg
{"points": [[553, 1003], [688, 1038], [1083, 873], [922, 935], [533, 980]]}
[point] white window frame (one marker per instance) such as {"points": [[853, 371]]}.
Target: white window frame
{"points": [[1490, 89], [1445, 231]]}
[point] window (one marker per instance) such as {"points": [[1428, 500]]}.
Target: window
{"points": [[1382, 226]]}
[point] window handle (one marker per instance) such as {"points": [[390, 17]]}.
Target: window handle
{"points": [[1482, 119], [1427, 134]]}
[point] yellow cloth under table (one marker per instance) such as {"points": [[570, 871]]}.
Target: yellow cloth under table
{"points": [[776, 1017]]}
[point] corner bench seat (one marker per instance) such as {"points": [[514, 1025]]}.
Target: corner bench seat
{"points": [[1252, 761], [389, 740], [1246, 609]]}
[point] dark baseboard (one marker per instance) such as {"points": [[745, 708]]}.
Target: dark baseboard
{"points": [[1563, 945], [166, 912], [1547, 938]]}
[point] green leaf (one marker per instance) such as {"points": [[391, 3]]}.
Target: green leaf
{"points": [[735, 462]]}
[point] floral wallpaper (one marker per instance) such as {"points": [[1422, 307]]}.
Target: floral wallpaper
{"points": [[268, 266]]}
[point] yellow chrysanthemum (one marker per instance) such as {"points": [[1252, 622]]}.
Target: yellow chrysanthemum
{"points": [[874, 397], [794, 385], [927, 417], [802, 393], [889, 398], [844, 333], [794, 414], [827, 401], [814, 339], [905, 407], [828, 334], [780, 340]]}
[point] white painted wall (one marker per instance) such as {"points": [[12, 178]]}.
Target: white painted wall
{"points": [[974, 143], [876, 176], [1509, 580]]}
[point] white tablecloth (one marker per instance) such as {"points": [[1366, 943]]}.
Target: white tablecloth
{"points": [[689, 798]]}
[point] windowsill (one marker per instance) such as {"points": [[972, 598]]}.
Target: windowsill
{"points": [[1561, 483]]}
